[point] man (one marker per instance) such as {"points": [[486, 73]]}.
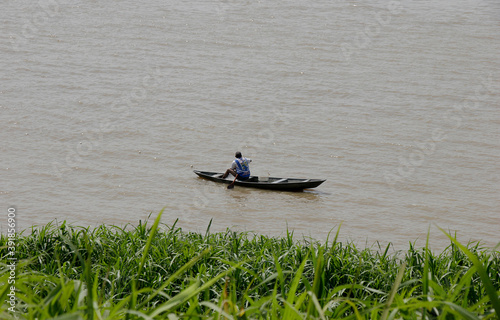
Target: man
{"points": [[240, 167]]}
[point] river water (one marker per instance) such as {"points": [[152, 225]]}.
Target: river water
{"points": [[108, 106]]}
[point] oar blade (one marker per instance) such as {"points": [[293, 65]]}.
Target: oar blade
{"points": [[232, 183]]}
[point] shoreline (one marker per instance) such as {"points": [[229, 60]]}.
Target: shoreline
{"points": [[244, 270]]}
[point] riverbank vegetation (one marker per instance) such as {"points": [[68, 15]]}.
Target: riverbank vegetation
{"points": [[153, 271]]}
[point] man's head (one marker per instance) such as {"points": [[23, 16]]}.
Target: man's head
{"points": [[238, 154]]}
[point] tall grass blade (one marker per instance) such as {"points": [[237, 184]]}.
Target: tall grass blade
{"points": [[464, 314], [188, 293], [152, 234], [182, 297], [143, 260], [217, 309], [334, 240], [425, 275], [317, 305], [394, 290], [293, 288], [174, 276], [207, 232], [317, 287], [490, 289]]}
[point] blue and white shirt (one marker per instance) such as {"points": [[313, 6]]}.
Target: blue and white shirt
{"points": [[242, 167]]}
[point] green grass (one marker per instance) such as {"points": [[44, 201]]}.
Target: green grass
{"points": [[162, 272]]}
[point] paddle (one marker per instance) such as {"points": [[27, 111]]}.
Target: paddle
{"points": [[232, 183]]}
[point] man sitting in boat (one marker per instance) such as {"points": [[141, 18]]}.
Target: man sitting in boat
{"points": [[240, 167]]}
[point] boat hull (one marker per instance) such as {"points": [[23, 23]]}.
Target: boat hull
{"points": [[273, 183]]}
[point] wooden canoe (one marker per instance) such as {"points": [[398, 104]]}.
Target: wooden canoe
{"points": [[272, 183]]}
